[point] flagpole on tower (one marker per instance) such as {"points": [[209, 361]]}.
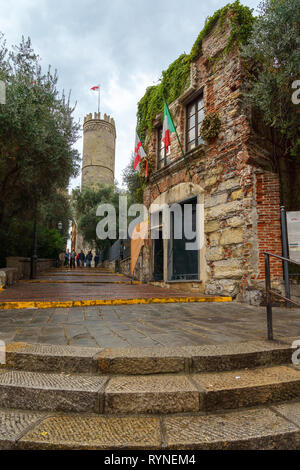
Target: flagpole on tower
{"points": [[97, 88], [99, 99]]}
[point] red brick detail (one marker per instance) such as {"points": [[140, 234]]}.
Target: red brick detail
{"points": [[268, 224]]}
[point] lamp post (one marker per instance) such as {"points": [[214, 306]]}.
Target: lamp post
{"points": [[33, 261], [59, 226]]}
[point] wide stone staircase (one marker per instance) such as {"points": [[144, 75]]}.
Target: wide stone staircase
{"points": [[229, 396]]}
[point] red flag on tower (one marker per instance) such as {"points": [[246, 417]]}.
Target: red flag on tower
{"points": [[97, 88]]}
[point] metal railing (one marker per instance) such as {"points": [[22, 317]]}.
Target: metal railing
{"points": [[270, 292]]}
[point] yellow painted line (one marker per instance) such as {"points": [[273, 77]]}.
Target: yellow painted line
{"points": [[92, 303], [81, 274], [49, 281]]}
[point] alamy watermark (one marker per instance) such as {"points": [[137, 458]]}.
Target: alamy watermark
{"points": [[2, 352], [296, 354], [296, 94], [175, 221]]}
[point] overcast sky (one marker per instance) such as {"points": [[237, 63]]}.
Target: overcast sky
{"points": [[121, 44]]}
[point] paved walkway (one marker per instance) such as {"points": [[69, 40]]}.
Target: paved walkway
{"points": [[136, 325], [177, 324], [88, 287]]}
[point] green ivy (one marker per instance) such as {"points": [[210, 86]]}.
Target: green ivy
{"points": [[176, 78]]}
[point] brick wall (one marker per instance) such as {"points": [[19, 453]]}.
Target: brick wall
{"points": [[268, 223]]}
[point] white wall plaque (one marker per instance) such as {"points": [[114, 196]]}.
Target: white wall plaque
{"points": [[293, 228]]}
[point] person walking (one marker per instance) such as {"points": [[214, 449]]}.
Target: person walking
{"points": [[89, 258], [72, 261], [67, 258], [82, 258], [78, 260], [61, 259], [96, 259]]}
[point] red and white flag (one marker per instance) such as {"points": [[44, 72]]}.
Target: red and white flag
{"points": [[95, 88], [139, 154]]}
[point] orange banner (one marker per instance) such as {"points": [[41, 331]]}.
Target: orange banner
{"points": [[137, 240]]}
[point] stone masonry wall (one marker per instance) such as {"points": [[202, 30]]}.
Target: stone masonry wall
{"points": [[98, 163], [242, 204]]}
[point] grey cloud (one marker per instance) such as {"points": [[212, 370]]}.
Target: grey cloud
{"points": [[108, 42]]}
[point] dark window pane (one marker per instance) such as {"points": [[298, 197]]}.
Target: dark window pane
{"points": [[191, 122], [191, 145], [200, 115], [199, 127], [194, 115], [191, 134], [200, 103], [191, 109]]}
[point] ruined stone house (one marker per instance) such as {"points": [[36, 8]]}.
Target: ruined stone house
{"points": [[230, 174]]}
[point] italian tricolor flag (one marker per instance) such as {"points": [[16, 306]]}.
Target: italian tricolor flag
{"points": [[168, 128]]}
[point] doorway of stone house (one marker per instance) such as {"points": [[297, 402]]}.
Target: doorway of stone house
{"points": [[183, 263]]}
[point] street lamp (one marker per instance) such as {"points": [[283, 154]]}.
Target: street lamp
{"points": [[59, 226], [34, 257]]}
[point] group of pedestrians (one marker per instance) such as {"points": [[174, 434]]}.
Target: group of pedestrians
{"points": [[73, 259]]}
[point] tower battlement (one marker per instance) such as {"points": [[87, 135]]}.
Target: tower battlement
{"points": [[97, 117]]}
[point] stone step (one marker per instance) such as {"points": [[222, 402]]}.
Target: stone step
{"points": [[47, 391], [261, 428], [148, 394], [201, 392], [158, 360], [51, 358]]}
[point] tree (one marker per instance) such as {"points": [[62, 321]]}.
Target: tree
{"points": [[37, 158], [85, 204], [57, 209], [273, 52], [17, 240], [37, 133], [134, 182]]}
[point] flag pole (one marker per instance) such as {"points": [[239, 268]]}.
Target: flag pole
{"points": [[183, 154], [98, 99], [149, 163]]}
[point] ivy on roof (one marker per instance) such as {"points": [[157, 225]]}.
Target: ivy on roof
{"points": [[176, 78]]}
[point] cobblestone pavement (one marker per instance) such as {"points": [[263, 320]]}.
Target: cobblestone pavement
{"points": [[85, 284], [146, 325]]}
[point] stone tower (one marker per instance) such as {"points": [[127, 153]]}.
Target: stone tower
{"points": [[98, 161]]}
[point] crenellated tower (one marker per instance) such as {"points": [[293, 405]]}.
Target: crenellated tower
{"points": [[98, 161]]}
